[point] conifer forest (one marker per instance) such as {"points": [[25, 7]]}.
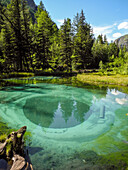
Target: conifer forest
{"points": [[31, 41]]}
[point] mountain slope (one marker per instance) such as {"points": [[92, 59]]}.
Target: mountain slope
{"points": [[31, 3], [122, 41]]}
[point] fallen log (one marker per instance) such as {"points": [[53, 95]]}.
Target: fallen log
{"points": [[12, 151]]}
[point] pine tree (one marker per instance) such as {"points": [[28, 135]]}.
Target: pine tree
{"points": [[16, 23], [100, 39], [9, 49], [105, 39], [27, 35], [43, 41], [100, 53], [44, 29], [76, 23], [66, 45], [55, 48], [11, 18], [83, 41]]}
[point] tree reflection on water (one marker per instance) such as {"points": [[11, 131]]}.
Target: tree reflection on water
{"points": [[55, 112]]}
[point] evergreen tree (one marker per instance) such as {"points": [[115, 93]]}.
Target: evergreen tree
{"points": [[76, 23], [100, 39], [55, 48], [102, 51], [44, 29], [43, 40], [27, 36], [16, 24], [9, 49], [83, 41], [113, 50], [105, 39], [66, 45], [2, 66], [99, 52]]}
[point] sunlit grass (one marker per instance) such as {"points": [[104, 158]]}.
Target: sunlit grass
{"points": [[16, 74], [103, 79]]}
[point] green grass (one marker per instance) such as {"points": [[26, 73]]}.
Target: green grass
{"points": [[121, 80], [16, 74]]}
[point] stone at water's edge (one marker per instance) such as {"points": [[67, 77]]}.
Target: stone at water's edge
{"points": [[12, 151]]}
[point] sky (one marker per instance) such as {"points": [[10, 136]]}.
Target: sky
{"points": [[107, 17]]}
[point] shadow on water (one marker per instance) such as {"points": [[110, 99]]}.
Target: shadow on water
{"points": [[34, 150]]}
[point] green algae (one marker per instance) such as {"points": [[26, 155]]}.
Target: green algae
{"points": [[109, 142], [4, 130], [3, 137], [111, 148], [119, 160], [89, 156], [27, 138], [115, 160], [125, 133], [114, 149], [118, 134]]}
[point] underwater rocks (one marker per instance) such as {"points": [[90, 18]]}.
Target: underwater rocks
{"points": [[12, 152]]}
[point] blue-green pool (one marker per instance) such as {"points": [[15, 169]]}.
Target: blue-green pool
{"points": [[65, 121]]}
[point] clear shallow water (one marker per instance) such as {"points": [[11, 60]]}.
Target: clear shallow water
{"points": [[65, 120]]}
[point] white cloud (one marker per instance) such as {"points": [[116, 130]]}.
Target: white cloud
{"points": [[123, 25], [110, 39], [60, 22], [116, 35], [103, 30]]}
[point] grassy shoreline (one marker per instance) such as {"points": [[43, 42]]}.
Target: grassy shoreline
{"points": [[85, 78], [32, 74], [96, 79]]}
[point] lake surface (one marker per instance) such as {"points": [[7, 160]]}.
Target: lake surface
{"points": [[69, 126]]}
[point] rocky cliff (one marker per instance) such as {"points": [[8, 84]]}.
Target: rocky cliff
{"points": [[122, 41]]}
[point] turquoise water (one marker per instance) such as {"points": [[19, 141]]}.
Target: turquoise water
{"points": [[65, 120]]}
